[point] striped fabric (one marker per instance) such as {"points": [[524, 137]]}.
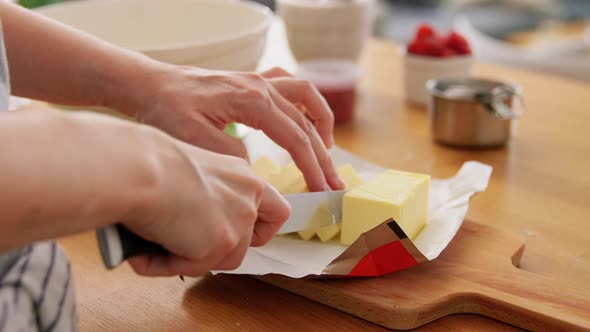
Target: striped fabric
{"points": [[36, 286], [37, 290]]}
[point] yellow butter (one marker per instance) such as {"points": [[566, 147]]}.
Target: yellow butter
{"points": [[265, 167], [306, 234], [349, 176], [327, 233], [392, 194], [352, 180], [289, 180]]}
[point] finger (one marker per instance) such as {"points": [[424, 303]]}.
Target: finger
{"points": [[326, 163], [234, 259], [303, 92], [286, 133], [273, 211], [275, 72], [166, 266], [213, 139]]}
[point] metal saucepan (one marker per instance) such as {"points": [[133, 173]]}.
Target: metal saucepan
{"points": [[471, 112]]}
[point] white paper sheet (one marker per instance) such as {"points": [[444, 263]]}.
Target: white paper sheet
{"points": [[290, 256]]}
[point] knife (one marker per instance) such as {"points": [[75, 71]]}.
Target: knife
{"points": [[308, 211]]}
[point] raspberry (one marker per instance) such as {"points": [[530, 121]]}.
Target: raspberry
{"points": [[425, 30], [433, 46], [427, 42], [414, 48], [448, 52], [458, 43]]}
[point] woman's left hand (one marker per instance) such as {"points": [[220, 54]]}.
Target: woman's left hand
{"points": [[195, 105]]}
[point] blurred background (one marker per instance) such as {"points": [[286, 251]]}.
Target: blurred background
{"points": [[552, 36], [549, 36], [515, 21]]}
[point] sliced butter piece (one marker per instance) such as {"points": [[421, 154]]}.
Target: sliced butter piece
{"points": [[327, 233], [289, 180], [306, 234], [318, 220], [265, 167], [351, 180], [392, 194], [349, 176]]}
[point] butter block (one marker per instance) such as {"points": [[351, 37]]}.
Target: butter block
{"points": [[392, 194], [265, 167]]}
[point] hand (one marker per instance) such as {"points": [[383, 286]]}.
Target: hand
{"points": [[194, 105], [208, 216], [207, 211], [205, 208]]}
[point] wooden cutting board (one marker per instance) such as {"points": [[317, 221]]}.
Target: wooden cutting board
{"points": [[477, 273]]}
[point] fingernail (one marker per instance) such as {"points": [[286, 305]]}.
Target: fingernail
{"points": [[339, 182]]}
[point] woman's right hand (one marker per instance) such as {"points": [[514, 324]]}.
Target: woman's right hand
{"points": [[62, 174], [205, 208]]}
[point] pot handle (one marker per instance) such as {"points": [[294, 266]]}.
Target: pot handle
{"points": [[498, 106]]}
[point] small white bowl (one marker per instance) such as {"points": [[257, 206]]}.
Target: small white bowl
{"points": [[417, 70], [229, 35], [327, 29]]}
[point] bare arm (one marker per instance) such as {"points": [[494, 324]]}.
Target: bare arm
{"points": [[52, 62], [61, 174]]}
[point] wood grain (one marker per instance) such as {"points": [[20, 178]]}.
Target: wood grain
{"points": [[477, 273], [539, 191]]}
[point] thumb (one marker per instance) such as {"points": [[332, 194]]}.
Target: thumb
{"points": [[273, 211]]}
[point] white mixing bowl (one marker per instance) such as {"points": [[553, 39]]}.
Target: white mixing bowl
{"points": [[213, 34]]}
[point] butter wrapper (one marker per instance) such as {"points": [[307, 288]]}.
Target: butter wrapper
{"points": [[383, 249]]}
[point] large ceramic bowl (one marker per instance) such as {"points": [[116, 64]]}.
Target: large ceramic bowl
{"points": [[212, 34]]}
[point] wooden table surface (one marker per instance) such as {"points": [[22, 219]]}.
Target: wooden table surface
{"points": [[540, 190]]}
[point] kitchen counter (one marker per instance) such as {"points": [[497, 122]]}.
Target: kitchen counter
{"points": [[539, 190]]}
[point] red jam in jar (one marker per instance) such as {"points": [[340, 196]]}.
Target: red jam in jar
{"points": [[341, 101], [336, 80]]}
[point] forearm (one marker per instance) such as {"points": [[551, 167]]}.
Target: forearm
{"points": [[52, 62], [52, 186]]}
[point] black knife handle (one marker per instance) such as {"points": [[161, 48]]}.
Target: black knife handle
{"points": [[117, 243]]}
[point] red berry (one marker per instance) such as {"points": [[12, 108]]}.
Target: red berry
{"points": [[413, 48], [448, 52], [422, 48], [424, 31], [433, 46], [459, 43]]}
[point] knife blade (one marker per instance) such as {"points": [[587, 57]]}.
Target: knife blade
{"points": [[308, 211], [313, 210]]}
